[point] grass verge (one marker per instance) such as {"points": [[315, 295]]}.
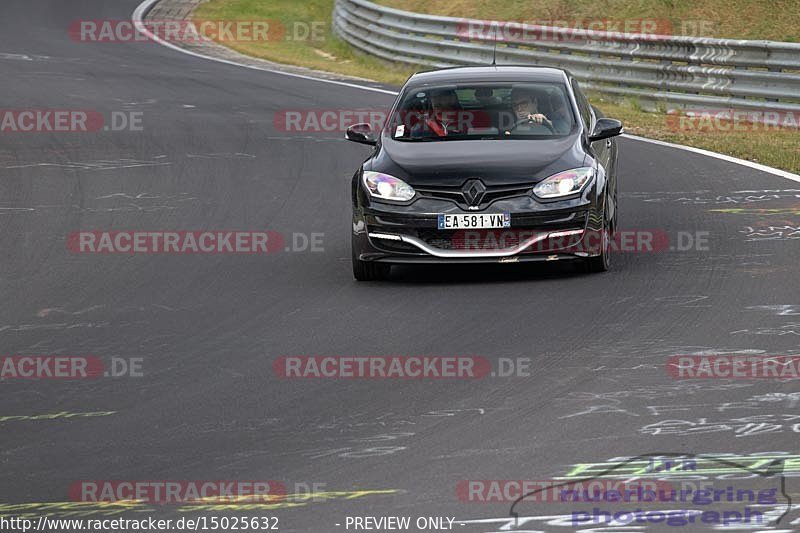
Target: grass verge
{"points": [[304, 39]]}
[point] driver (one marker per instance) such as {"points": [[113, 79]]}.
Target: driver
{"points": [[525, 104]]}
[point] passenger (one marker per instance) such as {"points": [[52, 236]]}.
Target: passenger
{"points": [[443, 120], [559, 114]]}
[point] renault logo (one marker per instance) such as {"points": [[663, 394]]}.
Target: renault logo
{"points": [[473, 191]]}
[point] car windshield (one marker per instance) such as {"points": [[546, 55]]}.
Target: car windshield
{"points": [[483, 111]]}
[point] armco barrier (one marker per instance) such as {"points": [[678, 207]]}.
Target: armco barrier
{"points": [[658, 71]]}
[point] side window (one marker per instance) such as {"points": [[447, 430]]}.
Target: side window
{"points": [[583, 106]]}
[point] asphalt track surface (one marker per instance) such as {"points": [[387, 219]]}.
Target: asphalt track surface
{"points": [[208, 327]]}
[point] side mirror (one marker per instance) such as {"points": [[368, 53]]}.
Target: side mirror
{"points": [[605, 128], [361, 133]]}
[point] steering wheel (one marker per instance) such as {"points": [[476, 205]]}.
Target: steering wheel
{"points": [[519, 123]]}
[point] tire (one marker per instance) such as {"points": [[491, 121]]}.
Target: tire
{"points": [[602, 263], [369, 270], [615, 222]]}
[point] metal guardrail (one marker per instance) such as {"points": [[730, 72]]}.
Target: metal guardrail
{"points": [[658, 71]]}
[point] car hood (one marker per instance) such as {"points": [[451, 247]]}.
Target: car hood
{"points": [[495, 162]]}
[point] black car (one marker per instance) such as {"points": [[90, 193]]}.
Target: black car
{"points": [[494, 164]]}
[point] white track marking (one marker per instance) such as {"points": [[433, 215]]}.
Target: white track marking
{"points": [[723, 157], [144, 7]]}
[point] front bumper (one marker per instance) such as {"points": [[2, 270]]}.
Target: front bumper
{"points": [[549, 231]]}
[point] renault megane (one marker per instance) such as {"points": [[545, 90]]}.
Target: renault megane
{"points": [[486, 164]]}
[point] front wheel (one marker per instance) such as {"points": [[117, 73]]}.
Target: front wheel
{"points": [[369, 270], [602, 262]]}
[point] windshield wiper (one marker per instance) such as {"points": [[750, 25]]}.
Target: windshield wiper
{"points": [[419, 139]]}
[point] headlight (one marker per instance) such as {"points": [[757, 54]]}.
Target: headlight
{"points": [[387, 187], [564, 183]]}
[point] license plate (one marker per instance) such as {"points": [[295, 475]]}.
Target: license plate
{"points": [[476, 221]]}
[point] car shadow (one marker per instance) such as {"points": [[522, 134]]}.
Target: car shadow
{"points": [[487, 273]]}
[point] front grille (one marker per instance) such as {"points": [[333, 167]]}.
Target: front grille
{"points": [[455, 194]]}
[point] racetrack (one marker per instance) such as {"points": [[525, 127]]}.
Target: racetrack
{"points": [[208, 327]]}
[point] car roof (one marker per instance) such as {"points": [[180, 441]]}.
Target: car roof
{"points": [[487, 74]]}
